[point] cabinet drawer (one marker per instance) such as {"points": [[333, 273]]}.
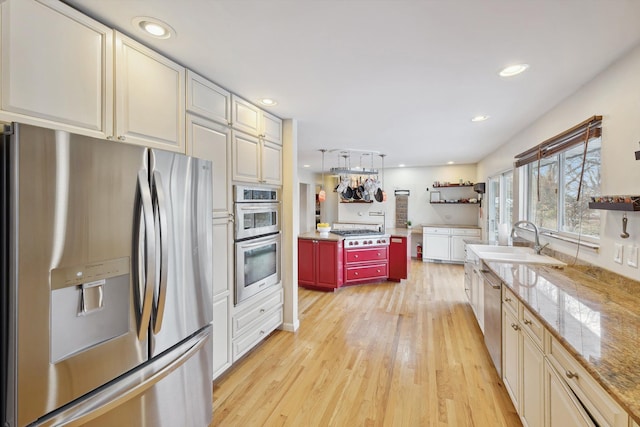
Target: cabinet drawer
{"points": [[509, 299], [366, 272], [601, 406], [436, 230], [247, 341], [245, 318], [364, 255], [531, 325], [471, 232]]}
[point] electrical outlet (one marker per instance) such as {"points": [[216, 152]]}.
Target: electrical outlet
{"points": [[632, 256], [617, 253]]}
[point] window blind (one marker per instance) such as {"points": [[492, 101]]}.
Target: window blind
{"points": [[579, 134]]}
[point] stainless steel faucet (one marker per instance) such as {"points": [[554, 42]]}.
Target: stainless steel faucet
{"points": [[536, 245]]}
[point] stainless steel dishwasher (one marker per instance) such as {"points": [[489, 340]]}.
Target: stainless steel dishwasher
{"points": [[492, 316]]}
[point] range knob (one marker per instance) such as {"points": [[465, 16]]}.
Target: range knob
{"points": [[350, 243], [378, 241]]}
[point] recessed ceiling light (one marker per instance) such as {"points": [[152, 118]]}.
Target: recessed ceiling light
{"points": [[153, 27], [306, 166], [268, 102], [450, 162], [513, 70], [479, 118], [401, 165]]}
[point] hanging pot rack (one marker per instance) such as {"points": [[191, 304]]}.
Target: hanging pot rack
{"points": [[347, 169]]}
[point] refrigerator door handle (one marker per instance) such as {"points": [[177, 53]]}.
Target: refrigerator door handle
{"points": [[160, 206], [129, 387], [145, 248]]}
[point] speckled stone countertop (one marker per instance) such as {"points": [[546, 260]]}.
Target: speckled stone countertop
{"points": [[399, 232], [315, 235], [597, 321]]}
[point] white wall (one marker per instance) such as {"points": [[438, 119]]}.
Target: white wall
{"points": [[416, 180], [614, 94]]}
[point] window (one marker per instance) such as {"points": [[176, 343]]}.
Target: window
{"points": [[500, 203], [553, 189]]}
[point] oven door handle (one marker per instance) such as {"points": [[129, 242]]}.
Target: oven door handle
{"points": [[260, 241]]}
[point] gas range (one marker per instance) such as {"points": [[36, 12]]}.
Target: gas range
{"points": [[363, 242]]}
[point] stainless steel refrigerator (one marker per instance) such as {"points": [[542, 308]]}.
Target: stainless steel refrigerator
{"points": [[106, 283]]}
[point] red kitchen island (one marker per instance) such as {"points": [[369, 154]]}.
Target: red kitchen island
{"points": [[329, 261]]}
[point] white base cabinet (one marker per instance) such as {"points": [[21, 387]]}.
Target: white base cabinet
{"points": [[549, 388], [446, 243], [256, 318]]}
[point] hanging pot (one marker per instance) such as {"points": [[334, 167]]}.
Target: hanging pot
{"points": [[379, 195], [347, 194]]}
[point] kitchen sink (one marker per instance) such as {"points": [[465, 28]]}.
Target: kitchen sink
{"points": [[513, 254]]}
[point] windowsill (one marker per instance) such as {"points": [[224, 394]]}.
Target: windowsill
{"points": [[584, 243]]}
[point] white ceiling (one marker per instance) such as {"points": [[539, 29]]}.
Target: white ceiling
{"points": [[400, 77]]}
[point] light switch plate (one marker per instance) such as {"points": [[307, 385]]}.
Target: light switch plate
{"points": [[632, 256], [617, 253]]}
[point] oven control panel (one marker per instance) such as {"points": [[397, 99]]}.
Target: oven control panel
{"points": [[366, 242]]}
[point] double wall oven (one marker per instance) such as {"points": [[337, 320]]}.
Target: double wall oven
{"points": [[257, 240]]}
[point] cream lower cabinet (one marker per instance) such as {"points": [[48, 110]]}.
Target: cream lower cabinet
{"points": [[255, 319], [56, 68], [256, 160], [212, 141], [548, 387], [511, 352], [149, 97], [562, 409], [446, 244]]}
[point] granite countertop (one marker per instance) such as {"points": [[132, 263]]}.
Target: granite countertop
{"points": [[315, 235], [597, 321], [399, 232]]}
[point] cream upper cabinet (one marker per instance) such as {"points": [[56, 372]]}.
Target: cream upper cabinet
{"points": [[256, 160], [271, 163], [245, 116], [56, 68], [248, 118], [212, 141], [246, 157], [271, 128], [207, 99], [150, 101]]}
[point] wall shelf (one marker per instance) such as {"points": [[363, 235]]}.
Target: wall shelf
{"points": [[619, 206], [455, 203], [453, 185]]}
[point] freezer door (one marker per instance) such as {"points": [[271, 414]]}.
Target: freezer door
{"points": [[73, 323], [173, 390], [182, 195]]}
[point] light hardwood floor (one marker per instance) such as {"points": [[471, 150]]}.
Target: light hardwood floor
{"points": [[389, 354]]}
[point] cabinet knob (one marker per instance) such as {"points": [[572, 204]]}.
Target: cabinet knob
{"points": [[262, 310], [378, 271], [527, 322], [507, 300], [570, 374], [110, 137], [378, 253], [261, 332], [515, 327], [356, 256], [122, 138], [355, 274]]}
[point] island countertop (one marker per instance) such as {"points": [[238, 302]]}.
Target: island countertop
{"points": [[315, 235], [597, 321]]}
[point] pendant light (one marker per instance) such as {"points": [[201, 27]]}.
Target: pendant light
{"points": [[322, 195]]}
